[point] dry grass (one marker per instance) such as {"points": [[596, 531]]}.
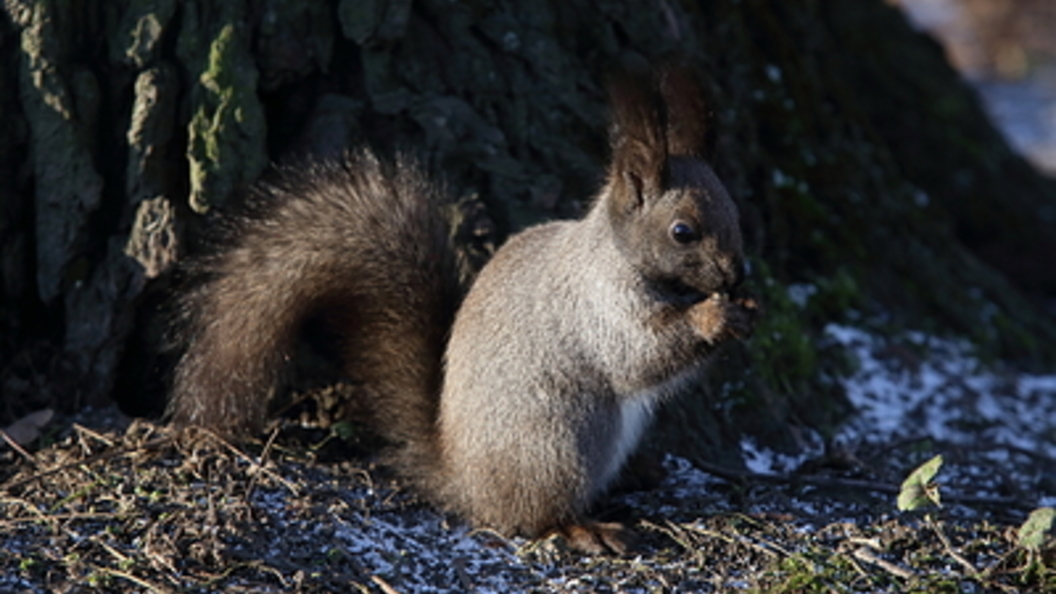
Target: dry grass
{"points": [[142, 510]]}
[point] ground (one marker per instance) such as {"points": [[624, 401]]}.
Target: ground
{"points": [[105, 507]]}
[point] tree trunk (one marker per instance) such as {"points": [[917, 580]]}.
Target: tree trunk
{"points": [[868, 177]]}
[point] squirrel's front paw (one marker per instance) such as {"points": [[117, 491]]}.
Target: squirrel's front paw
{"points": [[720, 317]]}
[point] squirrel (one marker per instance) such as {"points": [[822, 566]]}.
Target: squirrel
{"points": [[516, 404]]}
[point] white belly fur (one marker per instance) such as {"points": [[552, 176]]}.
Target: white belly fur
{"points": [[636, 413]]}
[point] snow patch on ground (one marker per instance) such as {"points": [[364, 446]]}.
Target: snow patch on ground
{"points": [[763, 460], [946, 395]]}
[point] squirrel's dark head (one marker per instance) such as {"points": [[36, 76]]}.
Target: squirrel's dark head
{"points": [[672, 217]]}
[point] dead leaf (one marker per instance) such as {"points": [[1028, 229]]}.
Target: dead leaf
{"points": [[27, 429]]}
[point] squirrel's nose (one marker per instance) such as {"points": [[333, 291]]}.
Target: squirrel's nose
{"points": [[733, 273]]}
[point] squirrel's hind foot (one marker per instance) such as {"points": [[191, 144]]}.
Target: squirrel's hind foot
{"points": [[598, 538]]}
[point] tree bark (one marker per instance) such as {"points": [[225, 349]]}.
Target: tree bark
{"points": [[866, 172]]}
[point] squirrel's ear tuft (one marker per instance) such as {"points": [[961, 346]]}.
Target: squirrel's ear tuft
{"points": [[638, 138], [686, 113]]}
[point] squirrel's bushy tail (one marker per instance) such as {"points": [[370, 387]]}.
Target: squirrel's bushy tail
{"points": [[357, 242]]}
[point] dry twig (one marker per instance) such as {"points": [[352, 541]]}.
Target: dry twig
{"points": [[105, 455], [865, 554]]}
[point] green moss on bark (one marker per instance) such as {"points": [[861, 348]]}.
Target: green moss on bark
{"points": [[138, 36], [227, 131]]}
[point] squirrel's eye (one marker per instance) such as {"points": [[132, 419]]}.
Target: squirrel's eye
{"points": [[683, 232]]}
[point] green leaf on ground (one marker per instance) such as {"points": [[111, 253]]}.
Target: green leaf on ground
{"points": [[1031, 534], [917, 490], [343, 430]]}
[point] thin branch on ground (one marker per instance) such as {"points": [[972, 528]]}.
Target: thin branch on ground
{"points": [[385, 586], [740, 476], [18, 448], [82, 430], [135, 580], [263, 460], [949, 546], [254, 464], [868, 556]]}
